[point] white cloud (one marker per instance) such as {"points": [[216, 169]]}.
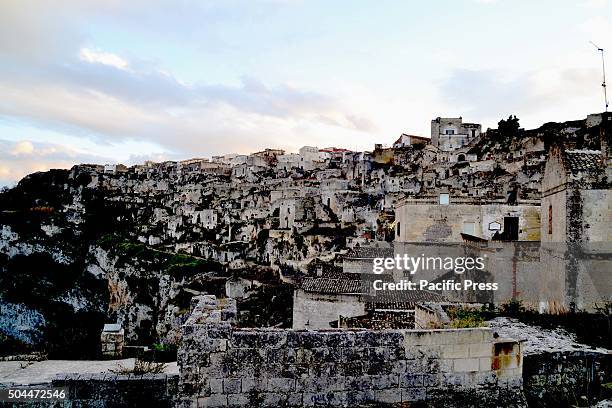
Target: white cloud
{"points": [[18, 159], [105, 58], [22, 148]]}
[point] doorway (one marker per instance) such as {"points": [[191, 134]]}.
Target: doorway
{"points": [[511, 228]]}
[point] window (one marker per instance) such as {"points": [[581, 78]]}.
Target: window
{"points": [[469, 228], [397, 229], [449, 132], [550, 219], [444, 199]]}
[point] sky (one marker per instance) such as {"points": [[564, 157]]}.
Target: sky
{"points": [[110, 81]]}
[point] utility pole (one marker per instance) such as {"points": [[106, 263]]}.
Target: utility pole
{"points": [[603, 68]]}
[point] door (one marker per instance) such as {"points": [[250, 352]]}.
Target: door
{"points": [[511, 228]]}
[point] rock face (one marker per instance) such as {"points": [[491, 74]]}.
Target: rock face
{"points": [[66, 269]]}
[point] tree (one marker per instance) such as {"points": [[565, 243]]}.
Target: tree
{"points": [[508, 128]]}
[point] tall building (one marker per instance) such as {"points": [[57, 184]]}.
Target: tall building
{"points": [[451, 133]]}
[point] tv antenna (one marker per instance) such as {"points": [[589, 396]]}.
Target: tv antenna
{"points": [[603, 69]]}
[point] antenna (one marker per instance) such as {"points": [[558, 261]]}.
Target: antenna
{"points": [[603, 68]]}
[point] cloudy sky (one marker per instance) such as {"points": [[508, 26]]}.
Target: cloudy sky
{"points": [[125, 81]]}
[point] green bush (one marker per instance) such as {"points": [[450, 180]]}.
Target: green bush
{"points": [[465, 318]]}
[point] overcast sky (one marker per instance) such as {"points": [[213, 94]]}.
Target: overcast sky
{"points": [[125, 81]]}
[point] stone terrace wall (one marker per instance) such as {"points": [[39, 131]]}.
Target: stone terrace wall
{"points": [[224, 366], [563, 378]]}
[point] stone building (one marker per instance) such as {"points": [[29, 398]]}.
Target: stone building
{"points": [[577, 224], [452, 133], [309, 153], [206, 218], [445, 218], [319, 301], [410, 140]]}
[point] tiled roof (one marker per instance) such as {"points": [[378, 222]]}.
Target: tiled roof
{"points": [[370, 252], [402, 299], [397, 299], [580, 161], [334, 286]]}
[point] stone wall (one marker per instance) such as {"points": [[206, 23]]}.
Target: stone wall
{"points": [[565, 378], [423, 221], [221, 365]]}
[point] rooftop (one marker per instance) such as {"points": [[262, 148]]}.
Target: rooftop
{"points": [[580, 161]]}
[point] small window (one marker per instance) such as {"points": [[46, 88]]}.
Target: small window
{"points": [[469, 228], [397, 229], [550, 219], [449, 132], [444, 199]]}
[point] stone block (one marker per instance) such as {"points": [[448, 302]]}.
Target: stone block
{"points": [[253, 385], [337, 340], [358, 383], [281, 385], [361, 397], [414, 353], [313, 340], [485, 379], [398, 367], [431, 380], [353, 354], [294, 339], [275, 356], [215, 400], [392, 338], [244, 339], [216, 385], [411, 380], [371, 338], [388, 396], [453, 380], [238, 400], [334, 399], [294, 400], [380, 382], [480, 350], [232, 386], [413, 394], [455, 351], [485, 363], [274, 339], [466, 364], [272, 400]]}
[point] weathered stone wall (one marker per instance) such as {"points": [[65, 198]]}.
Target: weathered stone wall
{"points": [[224, 366], [427, 222], [563, 378]]}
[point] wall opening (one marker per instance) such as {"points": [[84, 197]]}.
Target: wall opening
{"points": [[550, 219], [511, 228]]}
